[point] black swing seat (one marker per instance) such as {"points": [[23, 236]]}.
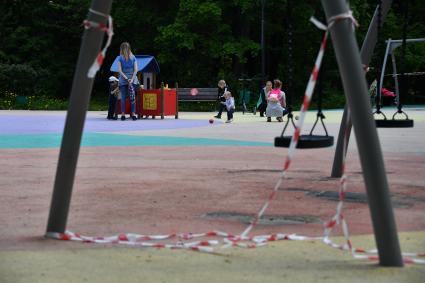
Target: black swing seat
{"points": [[393, 123], [306, 141]]}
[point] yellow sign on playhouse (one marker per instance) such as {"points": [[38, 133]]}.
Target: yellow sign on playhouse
{"points": [[150, 101]]}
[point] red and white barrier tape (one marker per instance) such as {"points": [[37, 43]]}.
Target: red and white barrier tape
{"points": [[243, 240], [295, 137], [153, 241], [338, 218], [109, 29]]}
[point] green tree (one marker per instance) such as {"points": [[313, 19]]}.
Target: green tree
{"points": [[196, 42], [200, 45]]}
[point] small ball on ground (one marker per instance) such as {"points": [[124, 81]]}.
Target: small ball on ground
{"points": [[211, 121]]}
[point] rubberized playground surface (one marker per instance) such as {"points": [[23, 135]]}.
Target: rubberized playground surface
{"points": [[186, 175]]}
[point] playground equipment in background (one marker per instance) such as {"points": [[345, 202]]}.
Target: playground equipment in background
{"points": [[372, 38], [153, 102], [244, 98], [158, 102], [149, 100], [244, 95], [391, 46]]}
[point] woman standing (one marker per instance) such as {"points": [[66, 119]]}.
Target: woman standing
{"points": [[128, 82]]}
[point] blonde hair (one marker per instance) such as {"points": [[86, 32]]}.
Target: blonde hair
{"points": [[125, 50], [221, 83]]}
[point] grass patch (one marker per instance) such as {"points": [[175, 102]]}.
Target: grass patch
{"points": [[11, 101]]}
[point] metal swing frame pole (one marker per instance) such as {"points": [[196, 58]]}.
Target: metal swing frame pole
{"points": [[75, 118], [366, 53], [355, 88], [263, 41], [403, 57]]}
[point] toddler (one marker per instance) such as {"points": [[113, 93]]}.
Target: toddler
{"points": [[230, 106]]}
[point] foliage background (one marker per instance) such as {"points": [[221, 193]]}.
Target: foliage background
{"points": [[195, 42]]}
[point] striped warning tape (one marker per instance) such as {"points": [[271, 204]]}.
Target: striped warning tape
{"points": [[109, 29], [222, 239], [338, 218], [157, 241], [295, 137]]}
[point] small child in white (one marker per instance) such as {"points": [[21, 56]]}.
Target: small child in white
{"points": [[230, 106]]}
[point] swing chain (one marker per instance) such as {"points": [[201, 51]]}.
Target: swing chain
{"points": [[320, 116], [400, 111], [290, 119], [378, 111]]}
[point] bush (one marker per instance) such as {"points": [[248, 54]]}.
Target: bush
{"points": [[20, 79], [10, 100]]}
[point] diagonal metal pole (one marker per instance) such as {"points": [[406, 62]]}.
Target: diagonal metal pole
{"points": [[74, 124], [355, 88], [366, 53]]}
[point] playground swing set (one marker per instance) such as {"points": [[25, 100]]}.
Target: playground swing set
{"points": [[393, 122], [389, 51], [340, 27]]}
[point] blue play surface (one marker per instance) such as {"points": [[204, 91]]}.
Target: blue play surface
{"points": [[17, 132], [42, 124]]}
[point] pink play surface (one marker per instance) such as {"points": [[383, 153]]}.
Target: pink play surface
{"points": [[161, 190]]}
